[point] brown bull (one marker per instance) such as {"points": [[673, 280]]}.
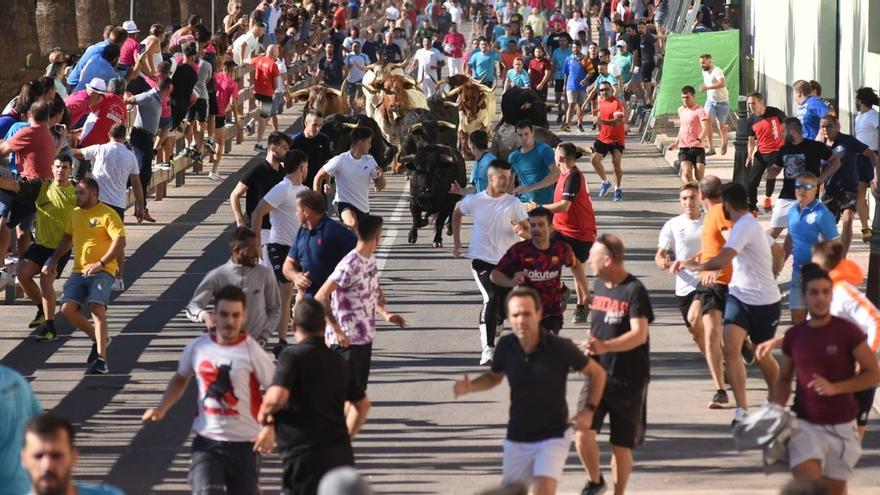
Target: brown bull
{"points": [[319, 97], [473, 110]]}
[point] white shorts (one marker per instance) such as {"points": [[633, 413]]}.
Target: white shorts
{"points": [[523, 461], [837, 447], [779, 220]]}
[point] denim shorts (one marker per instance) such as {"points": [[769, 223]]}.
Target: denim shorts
{"points": [[218, 467], [81, 289], [795, 297], [718, 109]]}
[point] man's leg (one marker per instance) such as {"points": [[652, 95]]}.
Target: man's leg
{"points": [[286, 298], [349, 218], [711, 128], [49, 297], [489, 312], [26, 272], [588, 450], [616, 160], [687, 171], [543, 485], [99, 316], [846, 219], [712, 324], [699, 170], [722, 129], [596, 160], [695, 325], [206, 471], [70, 311], [5, 239], [241, 468], [862, 205], [621, 468], [734, 338]]}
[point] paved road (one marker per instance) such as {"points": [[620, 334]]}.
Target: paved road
{"points": [[418, 439]]}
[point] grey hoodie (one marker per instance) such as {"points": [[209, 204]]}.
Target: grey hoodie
{"points": [[260, 288]]}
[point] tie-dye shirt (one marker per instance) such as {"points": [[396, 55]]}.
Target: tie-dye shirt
{"points": [[354, 301]]}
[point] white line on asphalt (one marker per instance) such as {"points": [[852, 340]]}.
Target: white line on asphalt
{"points": [[390, 235]]}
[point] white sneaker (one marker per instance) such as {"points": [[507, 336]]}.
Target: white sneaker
{"points": [[215, 176], [488, 355], [118, 285], [164, 166]]}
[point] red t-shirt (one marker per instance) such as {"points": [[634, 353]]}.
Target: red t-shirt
{"points": [[130, 48], [610, 110], [265, 72], [110, 112], [824, 351], [339, 18], [543, 270], [767, 130], [34, 150], [537, 69], [579, 222]]}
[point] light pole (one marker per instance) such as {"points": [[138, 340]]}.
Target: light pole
{"points": [[131, 10], [740, 143]]}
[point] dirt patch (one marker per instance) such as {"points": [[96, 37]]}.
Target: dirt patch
{"points": [[10, 84]]}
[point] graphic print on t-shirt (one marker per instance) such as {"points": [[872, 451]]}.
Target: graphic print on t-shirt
{"points": [[220, 398], [615, 310], [794, 164]]}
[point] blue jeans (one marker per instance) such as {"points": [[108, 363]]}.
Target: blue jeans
{"points": [[81, 289], [219, 467]]}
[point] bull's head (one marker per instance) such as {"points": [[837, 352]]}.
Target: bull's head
{"points": [[428, 167]]}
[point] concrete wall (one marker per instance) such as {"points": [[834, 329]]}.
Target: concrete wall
{"points": [[797, 39]]}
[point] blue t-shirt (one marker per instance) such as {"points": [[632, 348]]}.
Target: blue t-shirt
{"points": [[810, 112], [91, 52], [531, 168], [609, 78], [483, 65], [847, 149], [575, 73], [6, 122], [18, 405], [319, 250], [559, 57], [520, 80], [83, 489], [625, 64], [806, 226], [99, 68], [480, 172], [12, 132], [502, 41]]}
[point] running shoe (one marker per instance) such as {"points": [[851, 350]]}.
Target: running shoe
{"points": [[564, 128], [618, 195], [748, 353], [739, 416], [183, 153], [768, 204], [711, 152], [581, 128], [99, 367], [210, 146], [249, 128], [196, 156], [215, 176], [45, 332], [93, 354], [597, 488], [719, 400], [259, 147], [148, 217], [580, 314], [488, 354], [38, 320], [603, 189], [867, 233], [165, 166], [279, 347]]}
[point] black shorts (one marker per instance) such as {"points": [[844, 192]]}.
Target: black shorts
{"points": [[198, 111], [213, 105], [559, 85], [266, 104], [234, 465], [342, 206], [277, 255], [604, 148], [304, 467], [552, 324], [179, 110], [866, 171], [766, 161], [627, 408], [359, 358], [647, 70], [137, 86], [119, 211], [581, 248], [684, 306], [693, 155], [838, 201], [712, 297], [865, 398], [760, 321], [41, 254], [219, 121]]}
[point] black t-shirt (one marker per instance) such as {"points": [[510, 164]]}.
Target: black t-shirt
{"points": [[646, 47], [633, 44], [611, 311], [847, 149], [317, 379], [210, 84], [390, 53], [796, 158], [538, 410], [184, 80], [552, 43], [333, 71], [259, 179], [369, 49], [318, 151]]}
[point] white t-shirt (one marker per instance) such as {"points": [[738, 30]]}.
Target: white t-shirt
{"points": [[282, 198], [427, 58], [492, 234], [713, 76], [752, 281], [226, 375], [867, 128], [248, 39], [356, 74], [681, 236], [455, 11], [112, 164], [274, 17], [392, 13], [282, 76], [353, 179], [574, 26]]}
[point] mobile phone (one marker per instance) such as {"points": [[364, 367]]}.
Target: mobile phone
{"points": [[59, 128]]}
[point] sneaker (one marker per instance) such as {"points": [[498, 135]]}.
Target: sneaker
{"points": [[719, 400], [564, 128], [581, 128], [183, 153], [738, 417], [595, 125], [867, 233], [488, 354], [148, 217], [118, 285], [38, 320], [618, 195], [711, 152], [93, 354], [603, 189], [249, 128], [195, 156], [215, 176], [279, 347], [768, 204], [99, 367], [748, 353], [210, 146], [164, 166], [260, 147], [580, 314], [45, 332], [597, 488]]}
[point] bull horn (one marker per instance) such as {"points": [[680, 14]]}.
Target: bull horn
{"points": [[334, 91], [349, 125], [445, 124], [451, 103], [416, 126], [442, 82], [407, 158], [410, 80], [493, 85], [368, 89], [452, 93], [297, 93], [448, 158], [394, 65], [525, 106]]}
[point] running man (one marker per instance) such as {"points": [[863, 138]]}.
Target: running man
{"points": [[752, 309], [533, 163], [575, 82], [612, 138], [810, 109], [765, 140], [230, 368], [499, 223], [694, 126], [717, 101], [536, 363]]}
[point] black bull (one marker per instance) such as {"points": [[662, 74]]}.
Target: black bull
{"points": [[521, 103], [434, 170], [338, 129]]}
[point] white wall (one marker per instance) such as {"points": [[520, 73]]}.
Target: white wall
{"points": [[858, 66]]}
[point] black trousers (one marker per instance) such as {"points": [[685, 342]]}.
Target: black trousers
{"points": [[492, 314], [760, 164]]}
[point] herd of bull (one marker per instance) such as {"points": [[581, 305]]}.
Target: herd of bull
{"points": [[427, 137]]}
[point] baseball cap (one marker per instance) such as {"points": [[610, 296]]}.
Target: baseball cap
{"points": [[620, 43], [97, 85], [130, 26]]}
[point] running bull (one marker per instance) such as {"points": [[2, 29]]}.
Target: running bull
{"points": [[338, 129], [433, 171]]}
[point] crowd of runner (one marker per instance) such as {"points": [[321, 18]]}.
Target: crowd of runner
{"points": [[296, 273]]}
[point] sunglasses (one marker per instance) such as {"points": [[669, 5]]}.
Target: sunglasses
{"points": [[805, 187]]}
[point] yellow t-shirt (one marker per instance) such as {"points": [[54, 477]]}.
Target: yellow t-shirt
{"points": [[93, 231], [54, 205]]}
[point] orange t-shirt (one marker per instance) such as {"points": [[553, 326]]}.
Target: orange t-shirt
{"points": [[711, 240]]}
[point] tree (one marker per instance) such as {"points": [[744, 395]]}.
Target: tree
{"points": [[54, 27], [18, 36], [91, 18], [201, 8]]}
